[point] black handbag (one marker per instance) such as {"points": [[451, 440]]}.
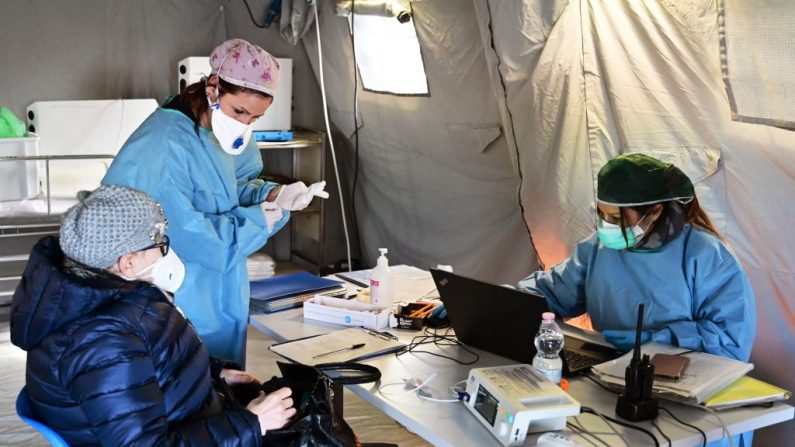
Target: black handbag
{"points": [[317, 422]]}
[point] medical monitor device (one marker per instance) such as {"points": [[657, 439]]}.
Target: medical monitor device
{"points": [[512, 401], [279, 114]]}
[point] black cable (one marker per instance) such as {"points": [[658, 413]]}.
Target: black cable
{"points": [[625, 424], [582, 432], [703, 435], [355, 126], [654, 423], [252, 16], [600, 384], [433, 337]]}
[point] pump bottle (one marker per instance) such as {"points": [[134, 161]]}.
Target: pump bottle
{"points": [[382, 282]]}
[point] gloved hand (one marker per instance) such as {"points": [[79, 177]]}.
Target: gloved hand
{"points": [[625, 339], [273, 213], [297, 196]]}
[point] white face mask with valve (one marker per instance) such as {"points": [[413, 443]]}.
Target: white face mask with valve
{"points": [[168, 272], [232, 135]]}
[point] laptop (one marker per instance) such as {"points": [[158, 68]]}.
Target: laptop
{"points": [[504, 321]]}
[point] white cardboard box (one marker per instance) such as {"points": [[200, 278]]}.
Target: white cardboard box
{"points": [[83, 127], [20, 180], [346, 312]]}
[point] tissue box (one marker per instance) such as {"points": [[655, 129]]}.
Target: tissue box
{"points": [[346, 312]]}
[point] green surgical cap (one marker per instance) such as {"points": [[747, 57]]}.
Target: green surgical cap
{"points": [[637, 179]]}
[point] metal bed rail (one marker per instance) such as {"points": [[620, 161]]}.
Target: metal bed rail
{"points": [[46, 159]]}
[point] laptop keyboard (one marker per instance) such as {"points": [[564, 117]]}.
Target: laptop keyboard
{"points": [[577, 361]]}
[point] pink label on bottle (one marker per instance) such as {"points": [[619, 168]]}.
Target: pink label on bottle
{"points": [[374, 282]]}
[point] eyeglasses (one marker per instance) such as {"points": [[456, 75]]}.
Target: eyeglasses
{"points": [[163, 245]]}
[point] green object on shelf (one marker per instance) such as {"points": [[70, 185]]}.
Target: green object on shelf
{"points": [[10, 125]]}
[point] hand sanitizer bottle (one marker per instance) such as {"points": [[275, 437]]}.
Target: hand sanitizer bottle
{"points": [[382, 292]]}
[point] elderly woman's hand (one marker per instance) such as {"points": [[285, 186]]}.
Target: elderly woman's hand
{"points": [[235, 377], [273, 410]]}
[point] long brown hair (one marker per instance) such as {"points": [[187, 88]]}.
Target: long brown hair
{"points": [[195, 95], [694, 216], [697, 217]]}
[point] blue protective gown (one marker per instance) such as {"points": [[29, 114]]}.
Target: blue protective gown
{"points": [[696, 294], [211, 200]]}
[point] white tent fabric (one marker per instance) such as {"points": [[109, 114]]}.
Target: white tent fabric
{"points": [[758, 45], [435, 182], [590, 79]]}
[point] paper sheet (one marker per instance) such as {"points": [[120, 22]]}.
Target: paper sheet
{"points": [[305, 350], [705, 374]]}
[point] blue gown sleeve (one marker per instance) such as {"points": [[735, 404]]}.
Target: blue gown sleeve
{"points": [[250, 189], [563, 285], [221, 241], [724, 309], [124, 402]]}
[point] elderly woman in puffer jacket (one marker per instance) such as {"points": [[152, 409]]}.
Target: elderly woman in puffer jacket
{"points": [[111, 360]]}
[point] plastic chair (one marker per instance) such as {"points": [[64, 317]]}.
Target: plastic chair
{"points": [[25, 412]]}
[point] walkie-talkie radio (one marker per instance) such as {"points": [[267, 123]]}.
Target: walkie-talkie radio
{"points": [[636, 403]]}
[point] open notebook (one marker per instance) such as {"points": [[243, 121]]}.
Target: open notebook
{"points": [[706, 374], [338, 346]]}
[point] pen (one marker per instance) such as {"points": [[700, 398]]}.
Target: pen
{"points": [[356, 346], [385, 335]]}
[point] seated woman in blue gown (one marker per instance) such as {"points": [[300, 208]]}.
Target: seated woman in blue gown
{"points": [[654, 245]]}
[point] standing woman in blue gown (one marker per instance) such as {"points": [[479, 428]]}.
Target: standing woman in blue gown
{"points": [[196, 157]]}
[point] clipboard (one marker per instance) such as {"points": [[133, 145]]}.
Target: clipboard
{"points": [[312, 350]]}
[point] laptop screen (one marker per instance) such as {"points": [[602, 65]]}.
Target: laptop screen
{"points": [[494, 318]]}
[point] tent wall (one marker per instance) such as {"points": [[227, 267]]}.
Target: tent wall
{"points": [[96, 49], [436, 183], [107, 49]]}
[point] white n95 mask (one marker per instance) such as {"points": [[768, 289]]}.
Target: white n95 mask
{"points": [[168, 272], [232, 135]]}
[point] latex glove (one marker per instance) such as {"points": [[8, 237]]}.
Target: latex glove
{"points": [[625, 339], [273, 213], [297, 196]]}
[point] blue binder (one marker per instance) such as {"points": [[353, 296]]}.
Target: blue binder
{"points": [[288, 291]]}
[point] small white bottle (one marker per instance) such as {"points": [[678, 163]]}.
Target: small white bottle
{"points": [[382, 291], [549, 342]]}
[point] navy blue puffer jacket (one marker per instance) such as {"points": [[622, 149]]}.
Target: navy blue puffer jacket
{"points": [[115, 363]]}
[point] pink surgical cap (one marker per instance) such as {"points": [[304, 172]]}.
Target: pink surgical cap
{"points": [[246, 65]]}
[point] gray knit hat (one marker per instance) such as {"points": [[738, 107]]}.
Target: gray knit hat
{"points": [[108, 223]]}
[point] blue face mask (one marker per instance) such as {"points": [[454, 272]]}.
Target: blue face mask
{"points": [[612, 237]]}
